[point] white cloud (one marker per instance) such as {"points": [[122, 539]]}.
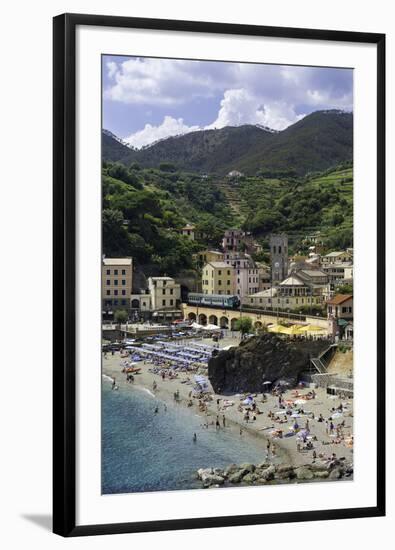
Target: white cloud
{"points": [[241, 107], [161, 82], [238, 107], [112, 69], [246, 93], [169, 127]]}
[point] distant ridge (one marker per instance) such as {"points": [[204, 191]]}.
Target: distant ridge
{"points": [[316, 142]]}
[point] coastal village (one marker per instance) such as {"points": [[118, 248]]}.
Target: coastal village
{"points": [[313, 289], [257, 349]]}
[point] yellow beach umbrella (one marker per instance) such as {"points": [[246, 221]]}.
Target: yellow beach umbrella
{"points": [[314, 328], [278, 328]]}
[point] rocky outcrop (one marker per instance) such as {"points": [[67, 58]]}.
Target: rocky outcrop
{"points": [[262, 358], [249, 474]]}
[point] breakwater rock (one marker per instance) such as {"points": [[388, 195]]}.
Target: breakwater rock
{"points": [[264, 473], [262, 358]]}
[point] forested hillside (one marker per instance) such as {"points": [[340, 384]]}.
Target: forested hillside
{"points": [[144, 210], [315, 143]]}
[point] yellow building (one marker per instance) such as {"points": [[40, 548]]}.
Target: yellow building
{"points": [[117, 280], [337, 258], [218, 278], [207, 256]]}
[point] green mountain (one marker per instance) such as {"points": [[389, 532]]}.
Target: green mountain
{"points": [[315, 143], [144, 210]]}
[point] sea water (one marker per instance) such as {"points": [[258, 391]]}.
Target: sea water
{"points": [[147, 451]]}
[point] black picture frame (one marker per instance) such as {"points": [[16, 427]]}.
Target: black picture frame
{"points": [[64, 272]]}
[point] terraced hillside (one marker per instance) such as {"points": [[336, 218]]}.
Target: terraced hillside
{"points": [[320, 202]]}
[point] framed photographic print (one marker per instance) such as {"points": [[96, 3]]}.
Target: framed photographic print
{"points": [[219, 275]]}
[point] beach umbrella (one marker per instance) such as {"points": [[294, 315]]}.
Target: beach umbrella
{"points": [[315, 328]]}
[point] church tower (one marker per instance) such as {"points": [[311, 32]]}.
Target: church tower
{"points": [[279, 258]]}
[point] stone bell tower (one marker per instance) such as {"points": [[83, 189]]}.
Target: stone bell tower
{"points": [[279, 258]]}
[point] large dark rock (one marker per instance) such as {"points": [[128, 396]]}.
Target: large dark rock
{"points": [[262, 358]]}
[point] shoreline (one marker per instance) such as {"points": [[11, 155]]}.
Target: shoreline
{"points": [[286, 447]]}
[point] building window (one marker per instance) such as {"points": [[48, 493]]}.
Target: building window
{"points": [[108, 282], [124, 302], [228, 271], [124, 282], [115, 271], [219, 272], [171, 291], [123, 292], [123, 271], [116, 282], [108, 271], [108, 293], [219, 282], [171, 302], [115, 292], [115, 302], [163, 302], [228, 282], [108, 302], [164, 291]]}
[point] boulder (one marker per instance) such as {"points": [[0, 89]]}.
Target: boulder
{"points": [[265, 357], [304, 473], [202, 473], [250, 478], [321, 474], [210, 480], [336, 473], [237, 476], [248, 467], [263, 465], [319, 467], [268, 473], [231, 469], [283, 468]]}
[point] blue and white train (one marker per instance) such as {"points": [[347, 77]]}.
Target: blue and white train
{"points": [[224, 301]]}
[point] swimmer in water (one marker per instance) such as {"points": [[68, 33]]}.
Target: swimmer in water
{"points": [[194, 438]]}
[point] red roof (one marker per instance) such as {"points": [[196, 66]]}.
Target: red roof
{"points": [[339, 299]]}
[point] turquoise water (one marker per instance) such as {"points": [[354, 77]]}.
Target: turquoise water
{"points": [[144, 451]]}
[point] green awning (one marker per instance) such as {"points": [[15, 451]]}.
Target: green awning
{"points": [[342, 322]]}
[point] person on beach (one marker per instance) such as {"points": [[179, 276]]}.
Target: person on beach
{"points": [[194, 438], [268, 448], [156, 410], [113, 385], [223, 421], [241, 431], [217, 424]]}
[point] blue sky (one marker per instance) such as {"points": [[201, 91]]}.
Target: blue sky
{"points": [[146, 99]]}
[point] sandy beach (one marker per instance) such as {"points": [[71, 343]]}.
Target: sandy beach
{"points": [[263, 426]]}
